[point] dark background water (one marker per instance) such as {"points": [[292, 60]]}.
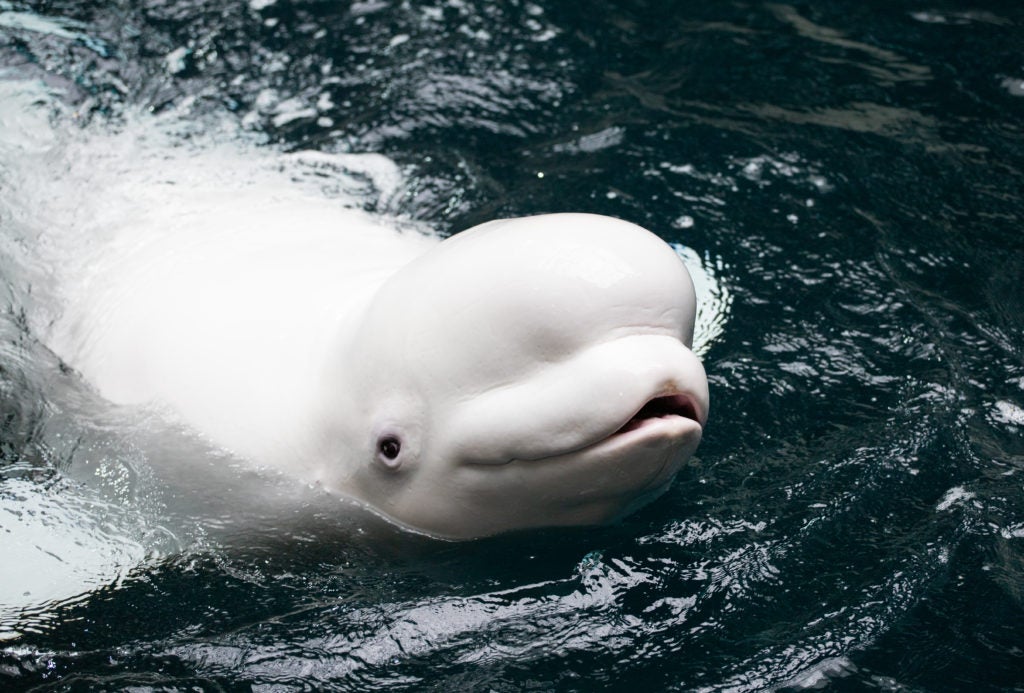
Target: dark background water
{"points": [[855, 518]]}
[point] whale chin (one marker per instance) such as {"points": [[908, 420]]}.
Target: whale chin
{"points": [[598, 484]]}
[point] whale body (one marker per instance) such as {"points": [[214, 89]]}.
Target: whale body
{"points": [[523, 373]]}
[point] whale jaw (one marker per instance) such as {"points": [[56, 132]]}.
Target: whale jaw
{"points": [[596, 483]]}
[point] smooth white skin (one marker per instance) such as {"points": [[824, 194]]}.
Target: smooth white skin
{"points": [[505, 360]]}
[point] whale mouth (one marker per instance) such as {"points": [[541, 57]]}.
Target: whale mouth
{"points": [[669, 417], [664, 407]]}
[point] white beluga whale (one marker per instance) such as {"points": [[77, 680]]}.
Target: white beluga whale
{"points": [[526, 372]]}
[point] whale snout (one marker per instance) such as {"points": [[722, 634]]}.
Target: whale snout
{"points": [[586, 442], [649, 383]]}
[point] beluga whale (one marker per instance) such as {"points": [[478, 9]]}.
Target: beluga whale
{"points": [[527, 372]]}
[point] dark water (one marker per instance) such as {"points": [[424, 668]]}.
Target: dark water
{"points": [[855, 519]]}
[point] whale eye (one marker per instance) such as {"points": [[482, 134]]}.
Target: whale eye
{"points": [[389, 447]]}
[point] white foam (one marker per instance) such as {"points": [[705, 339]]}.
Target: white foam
{"points": [[72, 190], [28, 21], [714, 300], [59, 27], [1008, 413], [59, 542], [957, 494]]}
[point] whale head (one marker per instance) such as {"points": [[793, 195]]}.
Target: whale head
{"points": [[524, 373]]}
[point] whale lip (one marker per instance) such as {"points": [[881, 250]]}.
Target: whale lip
{"points": [[670, 416], [676, 405]]}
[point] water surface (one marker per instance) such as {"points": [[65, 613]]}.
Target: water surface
{"points": [[849, 174]]}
